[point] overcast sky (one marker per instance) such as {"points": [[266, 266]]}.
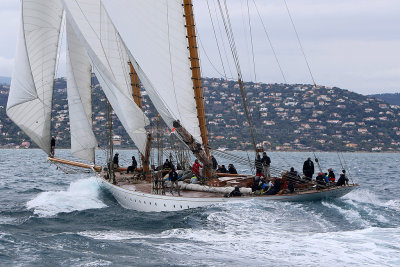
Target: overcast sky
{"points": [[352, 44]]}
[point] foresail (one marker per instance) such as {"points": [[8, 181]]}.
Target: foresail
{"points": [[110, 63], [31, 92], [155, 34], [83, 141]]}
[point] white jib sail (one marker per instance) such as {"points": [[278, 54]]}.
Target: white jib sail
{"points": [[83, 141], [155, 34], [31, 92], [110, 63]]}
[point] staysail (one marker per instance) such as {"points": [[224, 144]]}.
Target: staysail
{"points": [[155, 34], [31, 92], [110, 60], [79, 69]]}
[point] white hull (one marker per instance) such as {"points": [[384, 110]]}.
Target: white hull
{"points": [[130, 199]]}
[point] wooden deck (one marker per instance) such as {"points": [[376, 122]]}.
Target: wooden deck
{"points": [[127, 182]]}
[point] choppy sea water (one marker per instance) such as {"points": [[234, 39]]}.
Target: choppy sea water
{"points": [[50, 218]]}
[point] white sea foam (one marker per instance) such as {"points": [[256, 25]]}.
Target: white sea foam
{"points": [[353, 216], [114, 235], [81, 195], [243, 235]]}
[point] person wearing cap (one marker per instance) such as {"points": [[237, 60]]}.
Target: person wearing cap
{"points": [[308, 168]]}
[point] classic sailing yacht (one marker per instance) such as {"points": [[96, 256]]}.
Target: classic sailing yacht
{"points": [[157, 47]]}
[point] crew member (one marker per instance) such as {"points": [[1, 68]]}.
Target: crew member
{"points": [[116, 160], [258, 165], [52, 146], [196, 167], [232, 169], [331, 176], [222, 169], [266, 162], [236, 192], [133, 167], [173, 177], [167, 165], [214, 163], [308, 169]]}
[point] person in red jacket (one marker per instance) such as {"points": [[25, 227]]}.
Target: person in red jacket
{"points": [[196, 167]]}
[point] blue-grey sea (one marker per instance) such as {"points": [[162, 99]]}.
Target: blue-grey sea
{"points": [[52, 218]]}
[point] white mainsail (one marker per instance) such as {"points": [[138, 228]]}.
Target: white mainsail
{"points": [[110, 60], [155, 34], [79, 69], [31, 92]]}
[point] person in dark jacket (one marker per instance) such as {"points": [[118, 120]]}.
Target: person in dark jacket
{"points": [[293, 176], [133, 167], [236, 192], [291, 187], [214, 163], [167, 165], [321, 181], [331, 176], [222, 169], [343, 180], [173, 177], [232, 169], [308, 168], [116, 160], [52, 146], [258, 165], [266, 163]]}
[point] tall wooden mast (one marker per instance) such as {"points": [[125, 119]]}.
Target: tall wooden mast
{"points": [[204, 157], [135, 86], [137, 97], [196, 74]]}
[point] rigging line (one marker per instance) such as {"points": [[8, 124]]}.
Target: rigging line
{"points": [[317, 161], [245, 37], [208, 58], [340, 160], [348, 170], [232, 35], [229, 32], [251, 39], [222, 39], [270, 42], [216, 40], [300, 45]]}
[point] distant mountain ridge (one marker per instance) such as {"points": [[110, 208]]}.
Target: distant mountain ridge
{"points": [[5, 80], [392, 99]]}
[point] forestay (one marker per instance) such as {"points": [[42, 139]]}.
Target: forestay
{"points": [[83, 141], [155, 34], [31, 92], [110, 63]]}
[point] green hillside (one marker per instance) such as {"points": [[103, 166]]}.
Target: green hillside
{"points": [[286, 117]]}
